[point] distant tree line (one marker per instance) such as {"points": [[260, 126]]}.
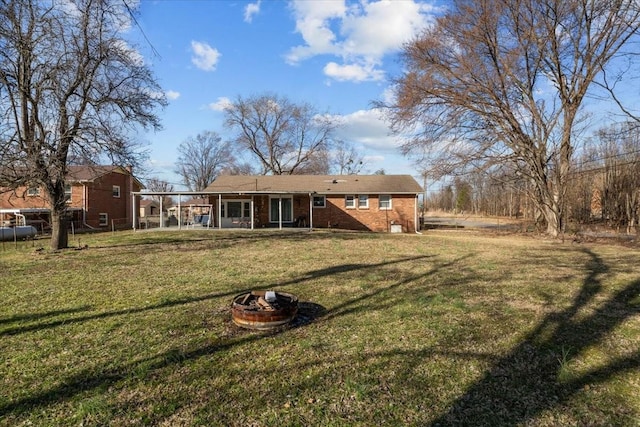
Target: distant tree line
{"points": [[604, 185]]}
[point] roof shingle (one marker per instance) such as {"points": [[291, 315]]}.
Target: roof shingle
{"points": [[320, 184]]}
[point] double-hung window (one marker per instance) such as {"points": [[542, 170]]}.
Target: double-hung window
{"points": [[67, 192], [350, 201], [116, 191], [363, 201], [384, 202]]}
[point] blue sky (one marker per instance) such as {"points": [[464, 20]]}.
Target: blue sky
{"points": [[336, 55]]}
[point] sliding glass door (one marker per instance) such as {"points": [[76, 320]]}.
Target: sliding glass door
{"points": [[276, 204]]}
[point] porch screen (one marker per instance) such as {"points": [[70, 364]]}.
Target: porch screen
{"points": [[287, 210]]}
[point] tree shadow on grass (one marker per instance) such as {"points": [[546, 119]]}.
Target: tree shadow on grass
{"points": [[43, 315], [311, 275], [198, 240], [96, 377], [532, 378]]}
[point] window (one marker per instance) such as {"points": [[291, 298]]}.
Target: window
{"points": [[350, 202], [67, 192], [116, 191], [104, 219], [319, 202], [385, 202], [234, 209], [33, 191], [363, 201]]}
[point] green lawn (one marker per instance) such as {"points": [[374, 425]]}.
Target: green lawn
{"points": [[444, 328]]}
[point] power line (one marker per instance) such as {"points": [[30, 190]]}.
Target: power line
{"points": [[132, 15]]}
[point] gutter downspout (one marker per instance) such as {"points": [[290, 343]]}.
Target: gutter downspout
{"points": [[219, 211], [251, 216], [179, 211], [133, 200], [415, 216], [85, 208], [133, 211], [310, 211]]}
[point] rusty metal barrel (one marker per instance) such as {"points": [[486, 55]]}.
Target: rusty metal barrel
{"points": [[263, 310]]}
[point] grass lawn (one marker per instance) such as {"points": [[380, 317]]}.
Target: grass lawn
{"points": [[445, 328]]}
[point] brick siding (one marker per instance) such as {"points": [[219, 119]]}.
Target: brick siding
{"points": [[99, 194], [336, 215]]}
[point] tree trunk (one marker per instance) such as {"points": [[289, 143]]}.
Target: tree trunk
{"points": [[58, 203], [553, 220], [59, 236], [549, 207]]}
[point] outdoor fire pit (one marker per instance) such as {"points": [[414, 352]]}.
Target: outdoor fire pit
{"points": [[263, 309]]}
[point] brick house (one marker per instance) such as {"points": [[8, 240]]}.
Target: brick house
{"points": [[99, 197], [149, 208], [355, 202]]}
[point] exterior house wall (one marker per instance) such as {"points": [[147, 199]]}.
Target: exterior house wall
{"points": [[151, 208], [260, 208], [299, 190], [20, 200], [95, 197], [336, 215], [100, 200]]}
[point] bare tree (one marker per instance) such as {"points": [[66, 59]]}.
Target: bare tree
{"points": [[620, 184], [238, 168], [283, 136], [201, 159], [347, 160], [159, 185], [319, 163], [504, 81], [70, 88]]}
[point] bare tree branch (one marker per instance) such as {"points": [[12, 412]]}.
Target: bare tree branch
{"points": [[283, 136], [504, 81], [201, 159], [71, 90]]}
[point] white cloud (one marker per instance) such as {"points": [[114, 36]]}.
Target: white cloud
{"points": [[204, 56], [126, 49], [360, 34], [378, 28], [220, 105], [250, 10], [388, 96], [172, 95], [352, 72], [313, 22], [373, 159], [155, 94], [367, 128]]}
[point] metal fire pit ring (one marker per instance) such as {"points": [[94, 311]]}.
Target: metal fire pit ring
{"points": [[262, 310]]}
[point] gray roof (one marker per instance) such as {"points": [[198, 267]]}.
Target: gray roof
{"points": [[82, 173], [320, 184]]}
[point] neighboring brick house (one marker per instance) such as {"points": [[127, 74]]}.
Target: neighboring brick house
{"points": [[99, 197], [354, 202], [149, 208]]}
